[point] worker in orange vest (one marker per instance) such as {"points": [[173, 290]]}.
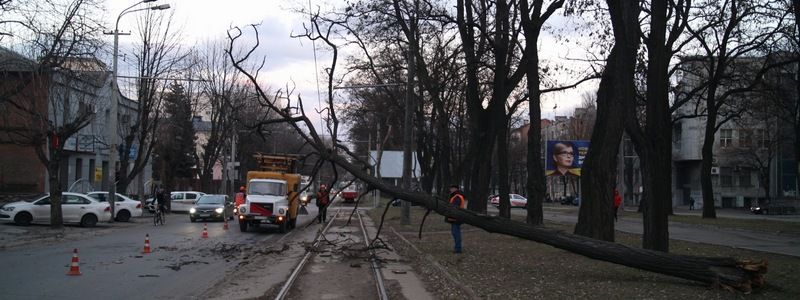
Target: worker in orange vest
{"points": [[457, 200], [240, 197], [323, 200]]}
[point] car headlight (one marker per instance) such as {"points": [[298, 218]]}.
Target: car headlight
{"points": [[219, 210], [304, 198], [192, 210], [9, 208], [242, 209]]}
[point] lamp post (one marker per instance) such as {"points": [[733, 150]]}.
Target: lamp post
{"points": [[112, 126]]}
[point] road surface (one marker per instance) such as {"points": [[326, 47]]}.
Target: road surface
{"points": [[182, 265]]}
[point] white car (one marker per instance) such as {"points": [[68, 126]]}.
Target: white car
{"points": [[183, 201], [75, 208], [124, 207], [516, 200], [179, 201]]}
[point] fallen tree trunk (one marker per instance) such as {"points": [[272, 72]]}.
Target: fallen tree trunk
{"points": [[742, 275]]}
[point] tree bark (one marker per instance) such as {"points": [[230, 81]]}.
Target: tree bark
{"points": [[532, 20], [53, 173], [502, 159], [655, 142], [709, 210], [596, 215]]}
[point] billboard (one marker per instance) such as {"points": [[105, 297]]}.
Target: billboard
{"points": [[565, 158]]}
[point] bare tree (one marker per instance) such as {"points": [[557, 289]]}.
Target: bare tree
{"points": [[759, 140], [729, 34], [158, 55], [223, 95], [49, 100]]}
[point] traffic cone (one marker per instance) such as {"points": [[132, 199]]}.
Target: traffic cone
{"points": [[74, 269], [225, 226], [205, 230], [146, 244]]}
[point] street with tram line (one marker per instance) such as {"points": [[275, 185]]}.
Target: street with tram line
{"points": [[229, 264]]}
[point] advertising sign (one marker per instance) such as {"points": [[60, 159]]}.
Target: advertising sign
{"points": [[565, 158]]}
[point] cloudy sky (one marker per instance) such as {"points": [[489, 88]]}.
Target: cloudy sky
{"points": [[290, 61]]}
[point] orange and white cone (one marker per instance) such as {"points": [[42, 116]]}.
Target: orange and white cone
{"points": [[146, 244], [205, 230], [74, 269]]}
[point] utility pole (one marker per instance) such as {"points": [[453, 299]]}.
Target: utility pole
{"points": [[115, 93]]}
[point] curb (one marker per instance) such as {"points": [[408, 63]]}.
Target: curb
{"points": [[430, 260]]}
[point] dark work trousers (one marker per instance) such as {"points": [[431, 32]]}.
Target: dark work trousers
{"points": [[455, 229], [322, 216]]}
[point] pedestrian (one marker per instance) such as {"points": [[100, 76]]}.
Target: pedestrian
{"points": [[240, 197], [457, 200], [691, 203], [617, 203], [323, 199]]}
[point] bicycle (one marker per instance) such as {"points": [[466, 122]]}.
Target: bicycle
{"points": [[158, 216]]}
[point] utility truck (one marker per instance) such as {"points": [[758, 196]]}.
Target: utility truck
{"points": [[272, 197]]}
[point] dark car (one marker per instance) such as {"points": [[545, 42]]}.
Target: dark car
{"points": [[215, 207]]}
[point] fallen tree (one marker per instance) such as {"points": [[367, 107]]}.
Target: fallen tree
{"points": [[742, 275]]}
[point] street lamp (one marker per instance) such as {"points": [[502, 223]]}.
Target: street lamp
{"points": [[112, 126]]}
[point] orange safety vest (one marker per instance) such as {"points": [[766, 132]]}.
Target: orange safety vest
{"points": [[461, 203], [239, 199]]}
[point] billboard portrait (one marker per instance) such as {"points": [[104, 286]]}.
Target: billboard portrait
{"points": [[565, 158]]}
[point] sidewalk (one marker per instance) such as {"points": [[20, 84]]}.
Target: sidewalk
{"points": [[734, 213]]}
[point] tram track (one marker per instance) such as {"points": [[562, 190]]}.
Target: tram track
{"points": [[337, 238]]}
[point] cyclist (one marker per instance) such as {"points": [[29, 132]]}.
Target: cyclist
{"points": [[161, 201]]}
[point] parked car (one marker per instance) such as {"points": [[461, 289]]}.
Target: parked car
{"points": [[216, 207], [125, 207], [179, 201], [183, 200], [75, 208], [773, 209], [517, 200], [570, 200]]}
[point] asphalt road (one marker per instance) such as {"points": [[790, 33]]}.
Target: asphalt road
{"points": [[787, 244], [182, 265]]}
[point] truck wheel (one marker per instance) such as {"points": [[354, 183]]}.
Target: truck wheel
{"points": [[242, 226], [283, 226]]}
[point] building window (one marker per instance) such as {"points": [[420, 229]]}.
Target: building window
{"points": [[760, 138], [85, 109], [726, 176], [78, 169], [726, 138], [745, 138], [745, 180]]}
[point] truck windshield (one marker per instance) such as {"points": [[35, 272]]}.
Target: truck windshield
{"points": [[267, 188]]}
